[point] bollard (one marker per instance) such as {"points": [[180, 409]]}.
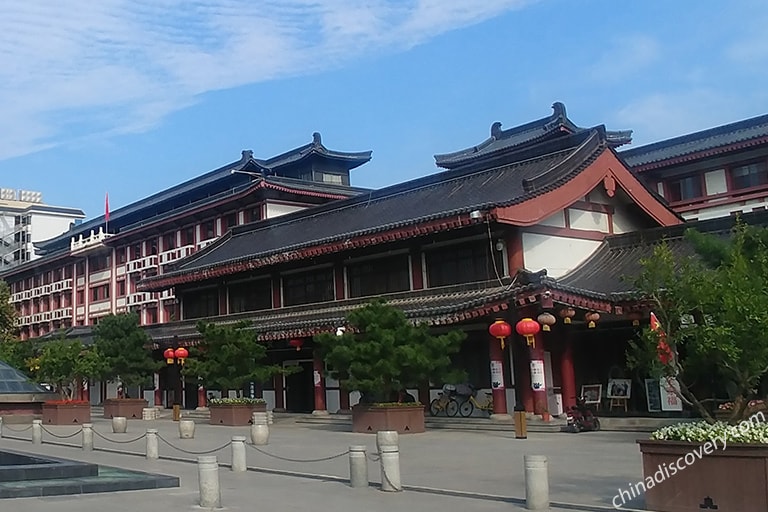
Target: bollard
{"points": [[358, 467], [152, 450], [259, 429], [119, 425], [186, 429], [238, 454], [389, 459], [208, 481], [536, 483], [521, 423], [270, 417], [259, 418], [87, 437], [1, 427], [37, 431]]}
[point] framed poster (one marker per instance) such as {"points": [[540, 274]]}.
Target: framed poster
{"points": [[669, 390], [592, 393], [619, 388], [497, 375], [653, 395], [537, 375]]}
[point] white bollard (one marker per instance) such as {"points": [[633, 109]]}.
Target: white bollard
{"points": [[119, 425], [186, 429], [270, 417], [1, 427], [259, 429], [259, 418], [152, 450], [358, 467], [238, 454], [87, 437], [208, 481], [37, 431], [536, 482], [389, 459]]}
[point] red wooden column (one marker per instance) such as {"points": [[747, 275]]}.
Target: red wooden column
{"points": [[158, 391], [343, 400], [526, 393], [567, 374], [537, 375], [279, 402], [497, 380], [319, 380]]}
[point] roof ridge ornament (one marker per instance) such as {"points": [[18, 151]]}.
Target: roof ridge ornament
{"points": [[247, 155], [496, 130], [558, 110], [317, 139]]}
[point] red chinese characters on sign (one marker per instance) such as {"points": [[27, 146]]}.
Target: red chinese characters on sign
{"points": [[663, 349]]}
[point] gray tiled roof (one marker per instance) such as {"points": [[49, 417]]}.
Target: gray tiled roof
{"points": [[725, 135], [506, 140], [536, 171]]}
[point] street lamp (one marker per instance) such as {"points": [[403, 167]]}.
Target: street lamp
{"points": [[176, 358]]}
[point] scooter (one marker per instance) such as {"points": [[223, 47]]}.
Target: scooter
{"points": [[580, 418]]}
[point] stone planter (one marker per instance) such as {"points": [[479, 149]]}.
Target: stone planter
{"points": [[130, 408], [234, 415], [404, 419], [186, 429], [732, 479], [66, 414]]}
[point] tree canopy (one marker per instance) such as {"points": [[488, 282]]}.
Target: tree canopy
{"points": [[8, 327], [64, 363], [713, 310], [124, 346], [382, 353], [229, 357]]}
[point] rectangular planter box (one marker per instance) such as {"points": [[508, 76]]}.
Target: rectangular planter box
{"points": [[66, 414], [131, 408], [234, 415], [405, 419], [732, 479]]}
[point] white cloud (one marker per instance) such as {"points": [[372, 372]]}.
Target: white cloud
{"points": [[627, 56], [122, 65]]}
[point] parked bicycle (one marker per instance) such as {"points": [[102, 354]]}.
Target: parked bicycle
{"points": [[468, 402], [445, 402]]}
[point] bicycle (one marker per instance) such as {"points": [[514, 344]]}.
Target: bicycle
{"points": [[445, 403], [467, 407]]}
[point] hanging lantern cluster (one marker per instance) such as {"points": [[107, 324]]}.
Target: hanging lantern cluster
{"points": [[591, 318], [296, 343], [528, 328], [500, 330], [169, 355], [547, 320], [567, 314], [180, 354]]}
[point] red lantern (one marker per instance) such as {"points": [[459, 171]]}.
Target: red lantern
{"points": [[169, 355], [528, 328], [181, 354], [546, 320], [500, 330], [592, 318], [566, 314], [296, 343]]}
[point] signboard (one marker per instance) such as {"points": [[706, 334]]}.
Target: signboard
{"points": [[653, 395], [252, 389], [317, 378], [537, 375], [497, 375], [669, 391]]}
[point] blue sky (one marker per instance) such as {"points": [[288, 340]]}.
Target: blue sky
{"points": [[133, 96]]}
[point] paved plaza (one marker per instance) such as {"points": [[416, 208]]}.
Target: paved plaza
{"points": [[441, 470]]}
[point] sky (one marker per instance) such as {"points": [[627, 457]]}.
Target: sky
{"points": [[130, 97]]}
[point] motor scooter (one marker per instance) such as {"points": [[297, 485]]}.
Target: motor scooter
{"points": [[580, 418]]}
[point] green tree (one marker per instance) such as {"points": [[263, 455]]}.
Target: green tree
{"points": [[124, 346], [713, 309], [64, 363], [8, 328], [229, 357], [382, 353]]}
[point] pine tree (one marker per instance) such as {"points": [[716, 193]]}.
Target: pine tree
{"points": [[124, 345]]}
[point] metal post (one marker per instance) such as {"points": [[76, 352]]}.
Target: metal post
{"points": [[152, 450], [87, 437], [37, 431], [358, 467], [1, 427], [208, 481], [536, 482], [389, 459], [238, 454]]}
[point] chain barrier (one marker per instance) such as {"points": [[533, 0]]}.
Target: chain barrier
{"points": [[286, 459], [373, 457], [62, 437], [142, 436], [189, 452], [28, 427]]}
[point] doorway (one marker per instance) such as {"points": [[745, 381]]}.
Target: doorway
{"points": [[299, 387]]}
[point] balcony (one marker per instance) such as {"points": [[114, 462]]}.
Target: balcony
{"points": [[176, 254], [61, 313], [94, 240], [23, 320], [17, 297], [145, 263], [37, 291], [60, 286], [137, 299], [27, 294], [206, 243], [46, 316], [167, 295], [37, 318]]}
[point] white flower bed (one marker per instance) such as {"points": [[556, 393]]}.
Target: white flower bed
{"points": [[753, 431]]}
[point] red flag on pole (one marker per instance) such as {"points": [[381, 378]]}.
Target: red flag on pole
{"points": [[662, 348], [106, 208]]}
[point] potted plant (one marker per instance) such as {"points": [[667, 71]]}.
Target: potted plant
{"points": [[711, 310], [229, 357], [381, 354], [124, 346], [64, 364]]}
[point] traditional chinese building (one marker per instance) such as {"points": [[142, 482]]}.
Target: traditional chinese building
{"points": [[510, 230]]}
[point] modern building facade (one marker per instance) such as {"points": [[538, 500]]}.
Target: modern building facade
{"points": [[25, 221]]}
